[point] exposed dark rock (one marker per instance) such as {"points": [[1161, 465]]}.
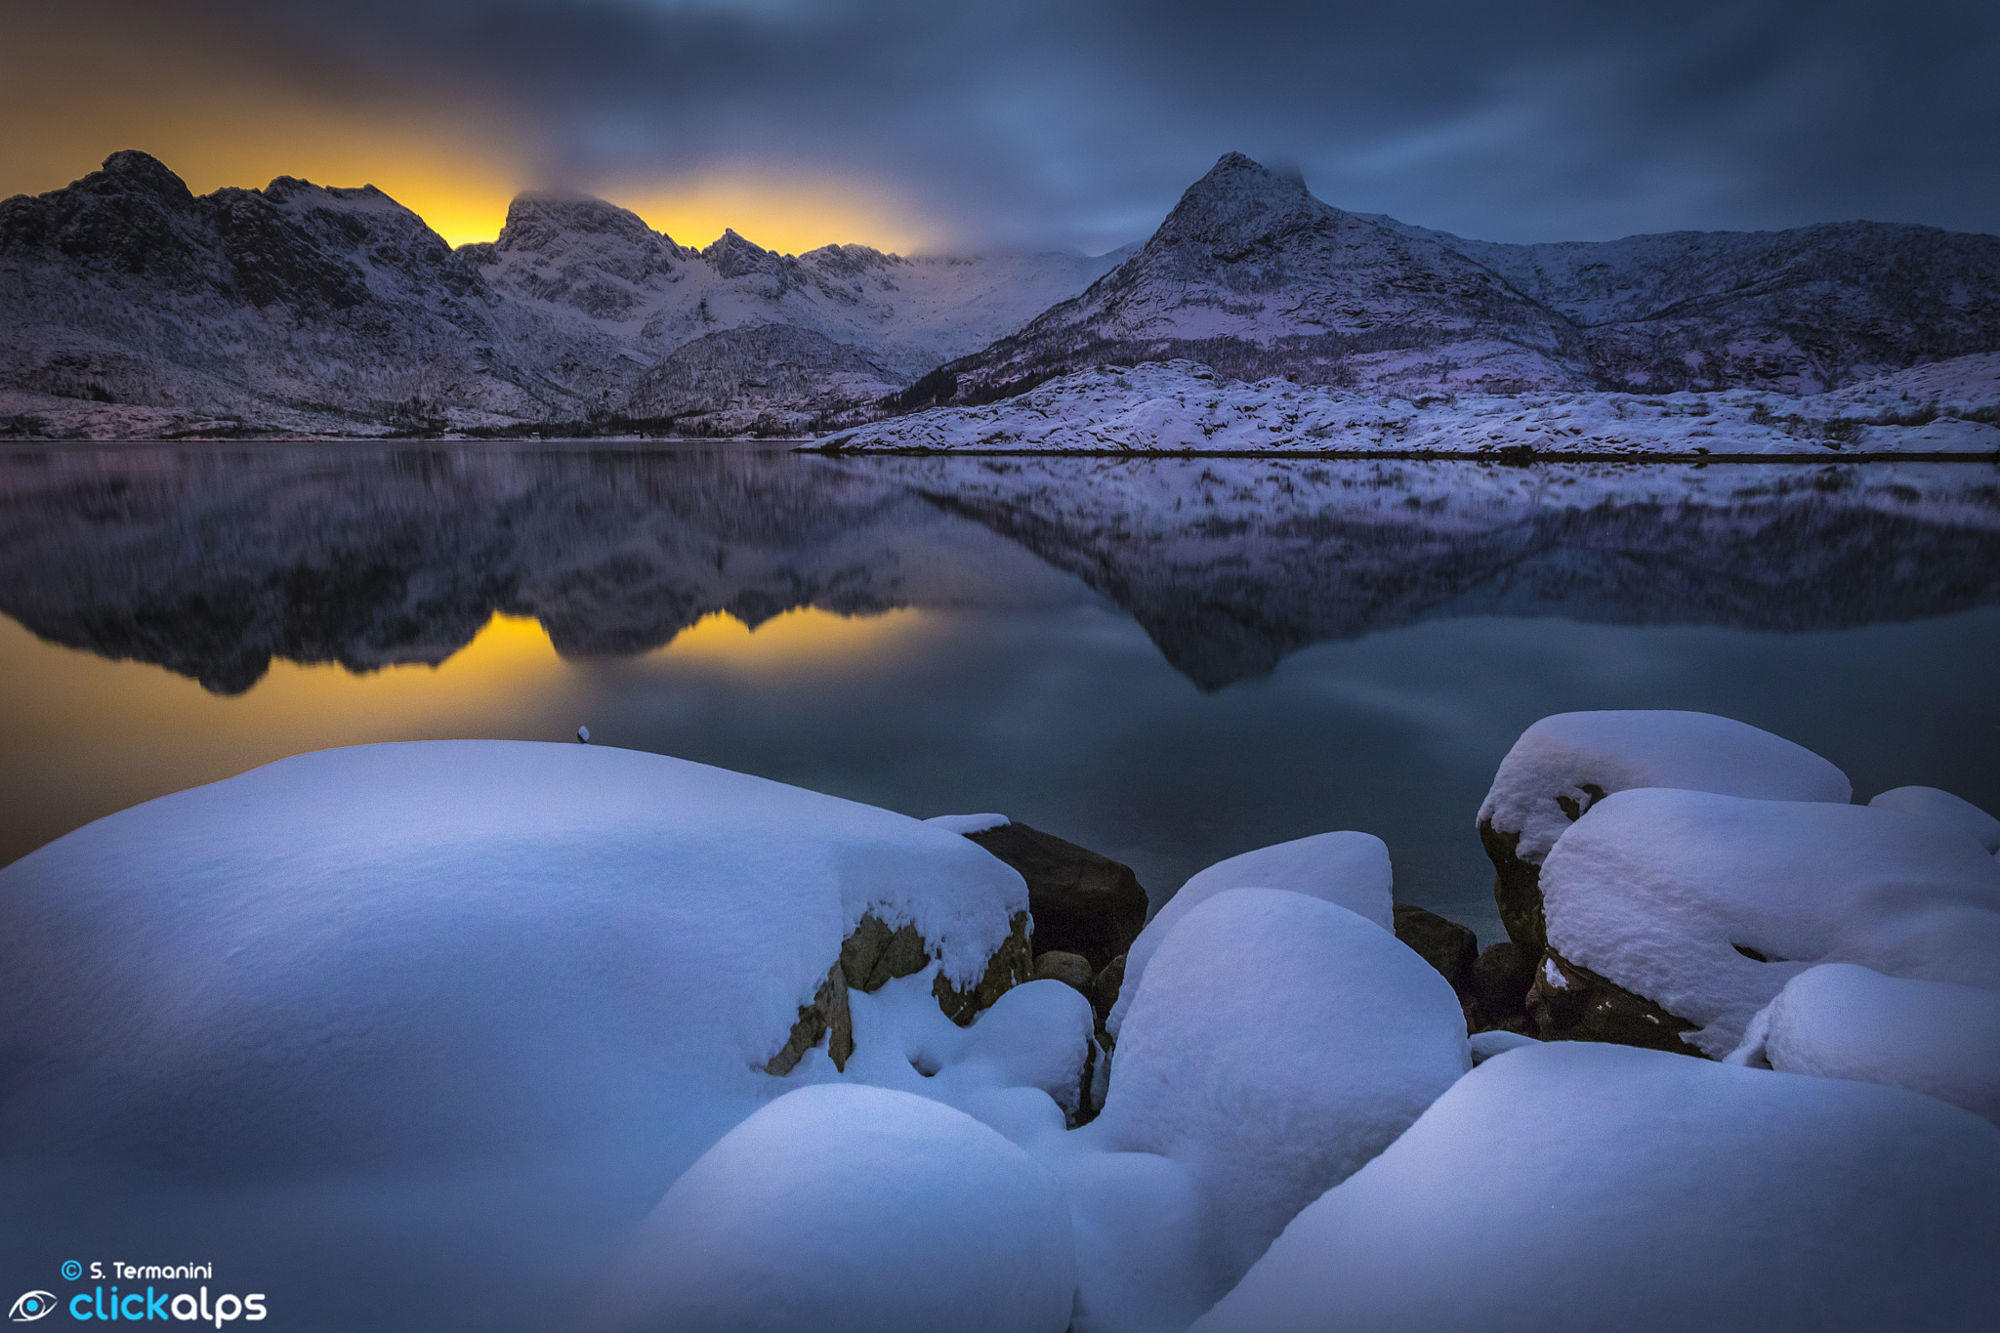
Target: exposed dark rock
{"points": [[1585, 1006], [1517, 887], [1008, 967], [1444, 944], [1517, 881], [1071, 969], [827, 1016], [1082, 902], [875, 954], [1086, 1105], [1499, 986], [1104, 988]]}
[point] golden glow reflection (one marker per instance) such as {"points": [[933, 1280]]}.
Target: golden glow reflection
{"points": [[92, 735]]}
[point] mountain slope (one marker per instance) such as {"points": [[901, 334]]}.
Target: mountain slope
{"points": [[1253, 276], [1800, 310], [299, 308], [293, 304]]}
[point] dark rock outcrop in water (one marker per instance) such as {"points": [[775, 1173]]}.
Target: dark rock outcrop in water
{"points": [[1083, 903], [212, 563]]}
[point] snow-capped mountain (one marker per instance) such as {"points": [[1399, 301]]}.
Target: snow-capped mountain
{"points": [[1253, 276], [131, 305]]}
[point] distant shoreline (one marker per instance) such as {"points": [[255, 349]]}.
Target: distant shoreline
{"points": [[1512, 456]]}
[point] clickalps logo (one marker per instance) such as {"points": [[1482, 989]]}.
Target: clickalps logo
{"points": [[133, 1305]]}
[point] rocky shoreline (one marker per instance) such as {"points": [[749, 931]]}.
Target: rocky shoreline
{"points": [[695, 1049]]}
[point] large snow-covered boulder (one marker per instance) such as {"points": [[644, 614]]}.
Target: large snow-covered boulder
{"points": [[854, 1208], [1577, 1186], [1944, 808], [1275, 1043], [1348, 868], [568, 966], [1707, 905], [1566, 762], [1841, 1020]]}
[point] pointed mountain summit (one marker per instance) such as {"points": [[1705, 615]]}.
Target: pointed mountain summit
{"points": [[1254, 276]]}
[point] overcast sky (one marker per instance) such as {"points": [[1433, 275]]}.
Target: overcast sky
{"points": [[1077, 124]]}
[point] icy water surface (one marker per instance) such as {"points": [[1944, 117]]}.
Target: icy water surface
{"points": [[1168, 660]]}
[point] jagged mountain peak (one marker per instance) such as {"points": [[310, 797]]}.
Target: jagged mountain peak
{"points": [[732, 256], [130, 171], [1240, 195], [538, 221]]}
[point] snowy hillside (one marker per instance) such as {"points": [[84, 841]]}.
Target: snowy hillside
{"points": [[1178, 406], [1254, 277], [131, 307]]}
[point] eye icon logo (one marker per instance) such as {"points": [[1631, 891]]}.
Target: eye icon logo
{"points": [[31, 1306]]}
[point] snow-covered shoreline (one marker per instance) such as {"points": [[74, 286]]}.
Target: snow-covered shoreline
{"points": [[683, 1048], [1948, 409]]}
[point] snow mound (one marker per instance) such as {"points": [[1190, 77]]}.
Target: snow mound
{"points": [[1347, 868], [1020, 1067], [1840, 1020], [1486, 1045], [967, 824], [1943, 807], [541, 979], [1577, 1185], [1577, 758], [1276, 1043], [852, 1208], [1678, 895]]}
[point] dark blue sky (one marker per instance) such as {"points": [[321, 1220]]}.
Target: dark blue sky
{"points": [[1078, 123]]}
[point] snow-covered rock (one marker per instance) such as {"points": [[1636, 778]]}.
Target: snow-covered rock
{"points": [[1180, 406], [538, 979], [1276, 1042], [1347, 868], [1941, 806], [1706, 905], [1581, 1186], [1841, 1020], [851, 1208], [1564, 763]]}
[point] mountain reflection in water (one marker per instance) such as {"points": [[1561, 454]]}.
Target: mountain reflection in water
{"points": [[215, 562]]}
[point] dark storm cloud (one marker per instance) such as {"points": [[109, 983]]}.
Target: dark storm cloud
{"points": [[1078, 123]]}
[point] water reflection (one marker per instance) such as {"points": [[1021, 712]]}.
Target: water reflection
{"points": [[212, 563], [1169, 660]]}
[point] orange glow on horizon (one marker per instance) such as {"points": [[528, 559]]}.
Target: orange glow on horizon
{"points": [[205, 106]]}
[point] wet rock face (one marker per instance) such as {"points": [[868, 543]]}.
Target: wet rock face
{"points": [[1572, 1003], [1082, 903], [1444, 944]]}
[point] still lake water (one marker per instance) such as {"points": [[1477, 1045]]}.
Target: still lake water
{"points": [[1168, 660]]}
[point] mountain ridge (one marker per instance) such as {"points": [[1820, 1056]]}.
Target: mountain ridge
{"points": [[133, 306]]}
